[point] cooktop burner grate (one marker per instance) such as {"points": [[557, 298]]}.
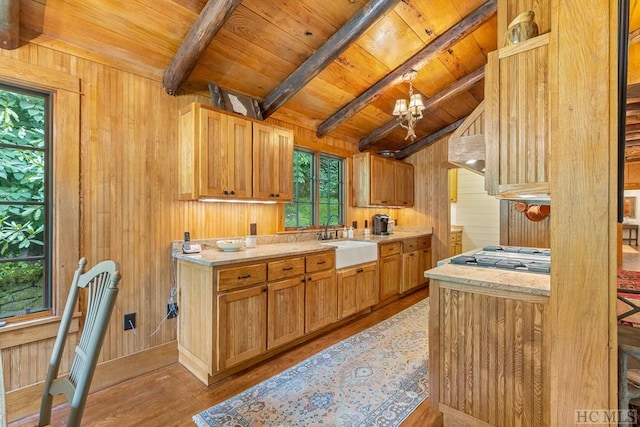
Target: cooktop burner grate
{"points": [[509, 258]]}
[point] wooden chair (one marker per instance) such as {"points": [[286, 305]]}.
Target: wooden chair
{"points": [[101, 283], [628, 379]]}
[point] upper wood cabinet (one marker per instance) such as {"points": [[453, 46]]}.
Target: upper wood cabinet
{"points": [[228, 156], [378, 181], [403, 183], [215, 154], [272, 163], [517, 114]]}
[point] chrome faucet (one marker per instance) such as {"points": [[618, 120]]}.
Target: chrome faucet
{"points": [[326, 226]]}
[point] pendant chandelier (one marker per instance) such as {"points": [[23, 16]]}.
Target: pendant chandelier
{"points": [[409, 111]]}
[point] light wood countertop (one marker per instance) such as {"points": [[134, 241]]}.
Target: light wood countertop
{"points": [[216, 257], [491, 279]]}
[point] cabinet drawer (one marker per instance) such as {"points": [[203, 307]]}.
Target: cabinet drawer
{"points": [[409, 245], [321, 261], [424, 242], [389, 249], [277, 270], [240, 277]]}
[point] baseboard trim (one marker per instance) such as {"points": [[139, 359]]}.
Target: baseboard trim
{"points": [[25, 401]]}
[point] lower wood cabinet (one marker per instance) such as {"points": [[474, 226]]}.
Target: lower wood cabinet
{"points": [[285, 317], [320, 300], [234, 316], [357, 289], [416, 258], [242, 332], [389, 266]]}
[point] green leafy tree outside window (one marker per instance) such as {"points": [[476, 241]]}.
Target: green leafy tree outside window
{"points": [[22, 202]]}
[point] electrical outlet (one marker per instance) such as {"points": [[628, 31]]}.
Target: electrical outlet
{"points": [[129, 321], [172, 310]]}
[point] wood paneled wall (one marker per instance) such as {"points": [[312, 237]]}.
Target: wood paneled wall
{"points": [[517, 230], [493, 363]]}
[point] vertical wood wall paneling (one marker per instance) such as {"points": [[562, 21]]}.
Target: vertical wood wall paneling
{"points": [[431, 207], [508, 372], [517, 230]]}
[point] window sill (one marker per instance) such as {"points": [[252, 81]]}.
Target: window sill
{"points": [[29, 331]]}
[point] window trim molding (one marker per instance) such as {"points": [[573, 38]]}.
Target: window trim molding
{"points": [[65, 168]]}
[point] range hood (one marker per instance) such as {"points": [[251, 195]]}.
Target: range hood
{"points": [[467, 149], [466, 144]]}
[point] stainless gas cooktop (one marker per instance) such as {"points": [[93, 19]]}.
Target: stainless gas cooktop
{"points": [[516, 258]]}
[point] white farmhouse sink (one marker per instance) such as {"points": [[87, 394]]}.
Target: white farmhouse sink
{"points": [[353, 252]]}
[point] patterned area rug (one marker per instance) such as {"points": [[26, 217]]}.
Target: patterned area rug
{"points": [[374, 378]]}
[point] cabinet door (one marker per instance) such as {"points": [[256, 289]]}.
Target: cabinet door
{"points": [[390, 276], [272, 163], [239, 158], [517, 117], [409, 271], [242, 326], [214, 152], [347, 280], [403, 184], [284, 159], [368, 290], [424, 264], [382, 176], [285, 302], [320, 300]]}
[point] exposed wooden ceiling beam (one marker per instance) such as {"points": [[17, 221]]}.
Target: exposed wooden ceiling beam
{"points": [[213, 16], [460, 30], [9, 24], [326, 54], [428, 140], [453, 89], [634, 36]]}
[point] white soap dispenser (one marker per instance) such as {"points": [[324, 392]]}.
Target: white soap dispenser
{"points": [[350, 234]]}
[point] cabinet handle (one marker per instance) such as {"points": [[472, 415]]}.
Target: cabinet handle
{"points": [[303, 280], [225, 192], [411, 254], [264, 289], [287, 268], [233, 193], [309, 279], [359, 270], [244, 277], [384, 202], [272, 195], [278, 195], [322, 262]]}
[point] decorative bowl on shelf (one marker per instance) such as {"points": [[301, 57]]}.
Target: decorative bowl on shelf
{"points": [[230, 245]]}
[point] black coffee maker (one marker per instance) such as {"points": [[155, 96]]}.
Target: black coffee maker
{"points": [[380, 224]]}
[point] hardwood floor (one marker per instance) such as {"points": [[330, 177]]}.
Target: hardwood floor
{"points": [[171, 396]]}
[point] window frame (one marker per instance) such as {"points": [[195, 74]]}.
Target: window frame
{"points": [[48, 291], [65, 186], [317, 155]]}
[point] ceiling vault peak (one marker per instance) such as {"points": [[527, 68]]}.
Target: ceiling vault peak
{"points": [[439, 45]]}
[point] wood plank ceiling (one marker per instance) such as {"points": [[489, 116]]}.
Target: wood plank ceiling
{"points": [[262, 42]]}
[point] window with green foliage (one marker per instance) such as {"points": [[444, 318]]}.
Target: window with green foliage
{"points": [[24, 213], [318, 181]]}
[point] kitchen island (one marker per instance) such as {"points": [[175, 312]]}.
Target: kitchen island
{"points": [[488, 352]]}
